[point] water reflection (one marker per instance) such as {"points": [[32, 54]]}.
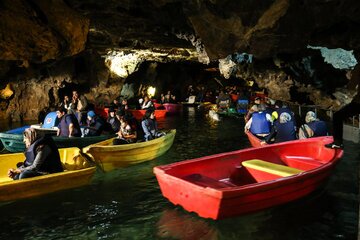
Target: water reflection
{"points": [[174, 224], [127, 203]]}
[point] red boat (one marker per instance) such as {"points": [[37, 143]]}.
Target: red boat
{"points": [[173, 108], [238, 182], [139, 114], [101, 111], [254, 141]]}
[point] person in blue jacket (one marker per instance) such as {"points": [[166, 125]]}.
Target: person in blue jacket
{"points": [[260, 122], [149, 126], [283, 130], [313, 127]]}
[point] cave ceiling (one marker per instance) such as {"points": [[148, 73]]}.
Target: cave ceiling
{"points": [[39, 30]]}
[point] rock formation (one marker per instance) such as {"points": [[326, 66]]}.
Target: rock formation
{"points": [[48, 46]]}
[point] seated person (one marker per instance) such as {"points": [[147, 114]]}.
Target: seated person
{"points": [[147, 103], [126, 133], [223, 102], [313, 127], [95, 125], [260, 123], [282, 130], [68, 124], [149, 126], [41, 157], [253, 108], [112, 121]]}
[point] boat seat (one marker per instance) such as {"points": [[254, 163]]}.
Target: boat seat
{"points": [[272, 168], [205, 181]]}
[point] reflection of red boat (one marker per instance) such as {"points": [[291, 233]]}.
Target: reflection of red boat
{"points": [[173, 107], [177, 225], [139, 114], [255, 142], [237, 182]]}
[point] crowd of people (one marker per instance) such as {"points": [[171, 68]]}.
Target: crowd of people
{"points": [[274, 123]]}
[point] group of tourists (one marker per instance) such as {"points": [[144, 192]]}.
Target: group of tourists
{"points": [[276, 123]]}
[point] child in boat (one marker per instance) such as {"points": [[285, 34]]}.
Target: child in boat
{"points": [[149, 126], [41, 157], [126, 133]]}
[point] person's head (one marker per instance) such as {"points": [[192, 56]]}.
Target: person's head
{"points": [[60, 111], [310, 117], [257, 100], [149, 114], [284, 117], [66, 98], [30, 136], [91, 115], [111, 112], [120, 114], [261, 107], [75, 94], [146, 98]]}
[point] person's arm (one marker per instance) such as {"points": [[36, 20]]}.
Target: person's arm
{"points": [[41, 156], [71, 129], [248, 125]]}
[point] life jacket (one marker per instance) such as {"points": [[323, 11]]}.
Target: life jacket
{"points": [[259, 124], [64, 126], [285, 131], [242, 105], [52, 163], [114, 124], [95, 126], [319, 128], [287, 110]]}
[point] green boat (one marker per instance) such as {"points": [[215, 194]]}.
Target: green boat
{"points": [[13, 140]]}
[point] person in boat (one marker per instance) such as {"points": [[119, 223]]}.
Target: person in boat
{"points": [[68, 124], [124, 104], [95, 125], [279, 108], [253, 108], [169, 98], [313, 127], [80, 103], [260, 123], [149, 126], [115, 104], [126, 133], [283, 130], [66, 103], [41, 157], [147, 103], [223, 101], [352, 108], [112, 121]]}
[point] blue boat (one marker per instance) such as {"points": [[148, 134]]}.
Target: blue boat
{"points": [[13, 139]]}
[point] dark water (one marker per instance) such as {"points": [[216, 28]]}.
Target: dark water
{"points": [[127, 203]]}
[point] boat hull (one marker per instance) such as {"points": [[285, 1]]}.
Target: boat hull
{"points": [[173, 108], [215, 187], [13, 142], [111, 156], [254, 141], [139, 114], [78, 173]]}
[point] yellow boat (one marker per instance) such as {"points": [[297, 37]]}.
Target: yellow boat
{"points": [[78, 172], [111, 156]]}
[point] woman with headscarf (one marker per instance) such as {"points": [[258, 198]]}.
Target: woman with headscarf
{"points": [[41, 157], [313, 127], [282, 130]]}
